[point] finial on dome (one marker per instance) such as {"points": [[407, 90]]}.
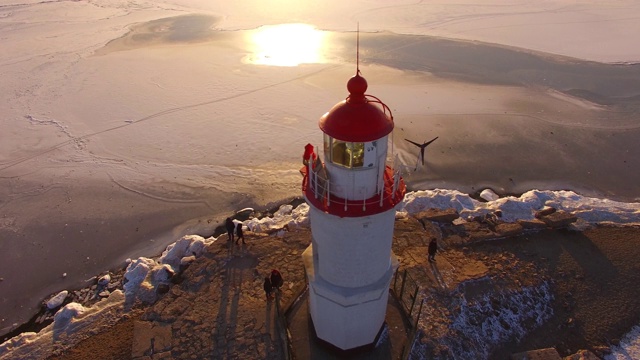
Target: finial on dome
{"points": [[357, 85]]}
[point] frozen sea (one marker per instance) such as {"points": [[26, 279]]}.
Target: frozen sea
{"points": [[124, 125]]}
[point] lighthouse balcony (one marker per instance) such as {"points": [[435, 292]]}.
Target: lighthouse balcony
{"points": [[316, 189]]}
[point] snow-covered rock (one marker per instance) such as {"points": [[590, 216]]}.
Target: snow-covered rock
{"points": [[64, 315], [71, 324], [591, 210], [286, 216], [57, 300], [104, 280], [135, 276], [489, 195], [188, 245]]}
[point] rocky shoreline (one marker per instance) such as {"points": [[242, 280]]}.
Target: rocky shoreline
{"points": [[484, 262]]}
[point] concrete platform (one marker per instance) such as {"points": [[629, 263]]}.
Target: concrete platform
{"points": [[305, 345]]}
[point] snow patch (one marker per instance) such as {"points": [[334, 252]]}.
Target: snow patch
{"points": [[71, 324], [285, 216], [629, 348], [480, 325], [591, 210]]}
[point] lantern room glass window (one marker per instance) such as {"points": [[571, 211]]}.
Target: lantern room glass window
{"points": [[344, 153]]}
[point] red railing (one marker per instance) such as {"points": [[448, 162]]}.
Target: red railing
{"points": [[316, 190]]}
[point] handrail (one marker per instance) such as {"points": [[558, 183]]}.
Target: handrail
{"points": [[317, 190]]}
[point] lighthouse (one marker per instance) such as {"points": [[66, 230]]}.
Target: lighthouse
{"points": [[352, 195]]}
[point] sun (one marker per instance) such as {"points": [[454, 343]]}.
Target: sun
{"points": [[287, 45]]}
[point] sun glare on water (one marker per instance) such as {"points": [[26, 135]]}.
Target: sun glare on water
{"points": [[287, 45]]}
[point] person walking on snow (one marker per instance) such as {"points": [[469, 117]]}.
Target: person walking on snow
{"points": [[433, 248], [267, 288], [239, 234], [230, 228], [276, 279]]}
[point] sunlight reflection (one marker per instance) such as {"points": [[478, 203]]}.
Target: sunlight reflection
{"points": [[287, 45]]}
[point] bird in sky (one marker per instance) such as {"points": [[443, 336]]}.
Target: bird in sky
{"points": [[422, 147]]}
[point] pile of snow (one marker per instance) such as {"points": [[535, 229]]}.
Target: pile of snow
{"points": [[71, 324], [189, 246], [142, 278], [591, 210], [286, 216], [143, 275]]}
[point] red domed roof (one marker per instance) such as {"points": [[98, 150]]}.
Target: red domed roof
{"points": [[356, 119]]}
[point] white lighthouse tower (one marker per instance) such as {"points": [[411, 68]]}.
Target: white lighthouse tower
{"points": [[352, 195]]}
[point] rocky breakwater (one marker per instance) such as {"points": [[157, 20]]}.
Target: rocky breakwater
{"points": [[70, 317]]}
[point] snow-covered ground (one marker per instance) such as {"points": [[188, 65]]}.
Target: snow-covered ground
{"points": [[112, 146]]}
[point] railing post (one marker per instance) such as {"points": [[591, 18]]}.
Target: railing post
{"points": [[419, 311], [413, 302], [396, 181], [404, 277], [395, 281]]}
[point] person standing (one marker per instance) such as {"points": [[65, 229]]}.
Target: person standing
{"points": [[230, 229], [433, 249], [239, 234], [268, 288], [276, 279]]}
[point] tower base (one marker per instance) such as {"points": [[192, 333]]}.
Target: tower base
{"points": [[347, 317]]}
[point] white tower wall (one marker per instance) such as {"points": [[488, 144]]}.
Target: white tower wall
{"points": [[347, 317], [352, 251]]}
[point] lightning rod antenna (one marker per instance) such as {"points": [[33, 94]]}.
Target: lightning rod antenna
{"points": [[358, 50]]}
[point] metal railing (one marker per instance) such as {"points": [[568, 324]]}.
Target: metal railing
{"points": [[406, 290], [283, 329], [316, 186]]}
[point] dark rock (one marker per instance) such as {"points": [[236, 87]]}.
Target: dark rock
{"points": [[509, 229], [534, 224], [582, 355], [174, 309], [476, 231], [163, 288], [194, 283], [559, 219], [437, 215], [541, 354], [547, 210], [104, 280]]}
